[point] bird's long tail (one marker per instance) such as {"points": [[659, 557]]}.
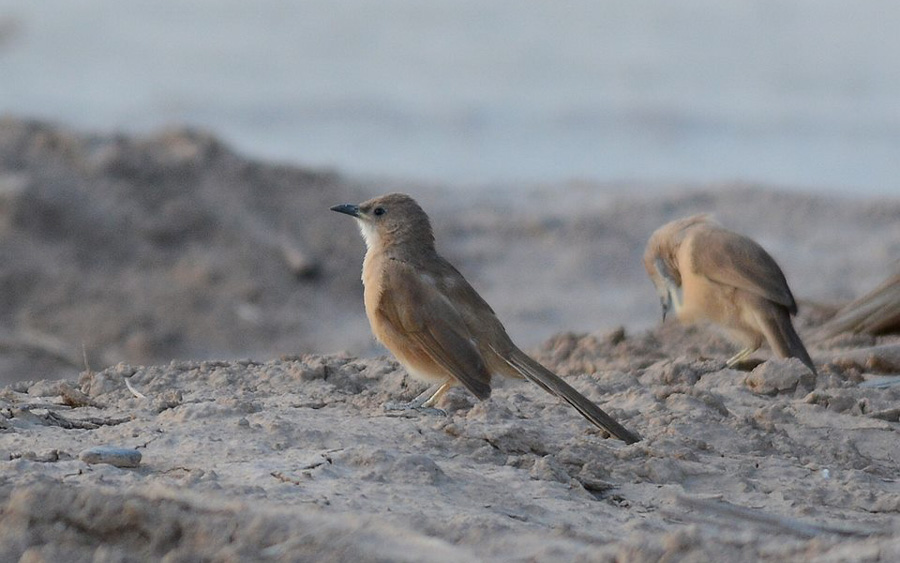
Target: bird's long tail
{"points": [[554, 385], [782, 337]]}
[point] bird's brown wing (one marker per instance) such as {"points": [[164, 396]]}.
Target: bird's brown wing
{"points": [[415, 307], [732, 259], [484, 325], [480, 318]]}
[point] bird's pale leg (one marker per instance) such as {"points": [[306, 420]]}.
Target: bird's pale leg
{"points": [[437, 394], [740, 356], [424, 402]]}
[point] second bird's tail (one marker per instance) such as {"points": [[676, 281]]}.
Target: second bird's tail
{"points": [[783, 339]]}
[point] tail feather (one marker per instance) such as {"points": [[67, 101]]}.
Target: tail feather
{"points": [[783, 339], [876, 312], [553, 384]]}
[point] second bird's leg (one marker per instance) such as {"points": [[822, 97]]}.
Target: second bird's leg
{"points": [[740, 356]]}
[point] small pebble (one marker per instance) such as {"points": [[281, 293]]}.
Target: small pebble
{"points": [[119, 457]]}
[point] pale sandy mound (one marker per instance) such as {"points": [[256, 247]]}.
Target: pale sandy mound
{"points": [[169, 246], [296, 459]]}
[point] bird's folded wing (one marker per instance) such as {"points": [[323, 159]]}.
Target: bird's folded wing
{"points": [[414, 306], [738, 261]]}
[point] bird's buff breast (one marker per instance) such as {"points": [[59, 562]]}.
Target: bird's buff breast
{"points": [[416, 361], [703, 298], [419, 364], [373, 284]]}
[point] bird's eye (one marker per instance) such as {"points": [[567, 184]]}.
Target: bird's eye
{"points": [[379, 211]]}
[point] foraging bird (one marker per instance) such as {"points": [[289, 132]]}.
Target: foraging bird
{"points": [[708, 273], [426, 313]]}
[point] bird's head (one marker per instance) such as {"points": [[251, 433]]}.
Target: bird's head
{"points": [[662, 267], [390, 219]]}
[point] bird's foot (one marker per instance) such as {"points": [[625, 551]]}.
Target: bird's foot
{"points": [[424, 403]]}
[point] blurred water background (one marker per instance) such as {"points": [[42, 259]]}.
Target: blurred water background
{"points": [[802, 94]]}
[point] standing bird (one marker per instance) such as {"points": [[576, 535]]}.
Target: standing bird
{"points": [[708, 273], [426, 313]]}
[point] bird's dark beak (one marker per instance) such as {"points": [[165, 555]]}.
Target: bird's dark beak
{"points": [[666, 301], [348, 208]]}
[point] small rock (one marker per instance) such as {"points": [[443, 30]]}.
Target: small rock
{"points": [[679, 371], [95, 384], [779, 376], [67, 393], [118, 457], [841, 403], [548, 469], [47, 456], [125, 370], [168, 400]]}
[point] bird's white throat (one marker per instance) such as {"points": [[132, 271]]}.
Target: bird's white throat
{"points": [[369, 233]]}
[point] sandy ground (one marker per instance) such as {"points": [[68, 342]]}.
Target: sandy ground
{"points": [[169, 247], [296, 459]]}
